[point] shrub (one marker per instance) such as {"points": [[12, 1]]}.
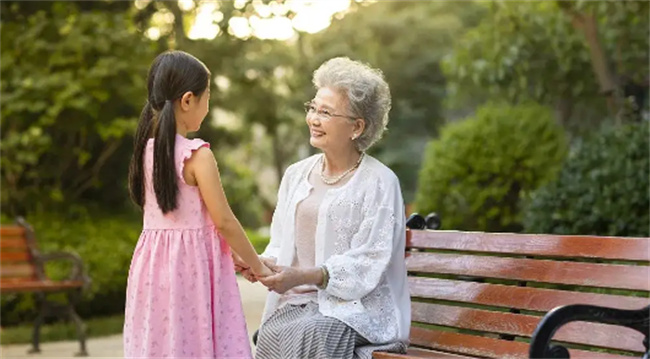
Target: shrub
{"points": [[476, 172], [601, 190]]}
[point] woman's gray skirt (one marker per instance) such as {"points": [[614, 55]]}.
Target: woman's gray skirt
{"points": [[301, 331]]}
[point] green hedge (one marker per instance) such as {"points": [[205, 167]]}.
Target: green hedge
{"points": [[475, 174], [603, 189]]}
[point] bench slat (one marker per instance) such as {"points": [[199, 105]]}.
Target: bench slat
{"points": [[11, 286], [17, 271], [545, 271], [13, 243], [12, 231], [6, 256], [527, 298], [613, 248], [419, 353], [606, 336], [487, 347]]}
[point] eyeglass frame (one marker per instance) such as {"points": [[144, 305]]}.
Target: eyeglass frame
{"points": [[308, 108]]}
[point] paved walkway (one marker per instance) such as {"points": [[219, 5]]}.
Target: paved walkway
{"points": [[253, 297]]}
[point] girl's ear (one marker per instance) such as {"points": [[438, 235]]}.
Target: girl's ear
{"points": [[186, 100]]}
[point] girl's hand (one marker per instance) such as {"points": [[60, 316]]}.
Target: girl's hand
{"points": [[240, 265], [269, 262], [263, 271]]}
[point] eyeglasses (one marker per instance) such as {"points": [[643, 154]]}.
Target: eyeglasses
{"points": [[323, 113]]}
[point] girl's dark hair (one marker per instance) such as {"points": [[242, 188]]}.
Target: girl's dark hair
{"points": [[171, 75]]}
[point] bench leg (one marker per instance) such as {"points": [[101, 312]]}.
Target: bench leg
{"points": [[41, 303], [81, 327]]}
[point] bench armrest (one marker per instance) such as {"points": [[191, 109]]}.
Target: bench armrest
{"points": [[77, 273], [540, 345]]}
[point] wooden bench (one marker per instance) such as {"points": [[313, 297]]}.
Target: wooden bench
{"points": [[22, 270], [484, 294]]}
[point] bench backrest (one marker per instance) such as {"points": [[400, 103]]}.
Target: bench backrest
{"points": [[483, 294], [17, 250]]}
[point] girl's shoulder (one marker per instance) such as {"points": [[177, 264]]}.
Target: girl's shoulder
{"points": [[185, 147]]}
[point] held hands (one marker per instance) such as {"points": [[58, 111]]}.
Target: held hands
{"points": [[284, 279], [276, 278], [248, 273]]}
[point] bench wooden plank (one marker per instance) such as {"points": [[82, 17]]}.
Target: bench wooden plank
{"points": [[527, 298], [17, 271], [13, 244], [613, 248], [12, 231], [7, 256], [487, 347], [8, 286], [415, 353], [544, 271], [599, 335]]}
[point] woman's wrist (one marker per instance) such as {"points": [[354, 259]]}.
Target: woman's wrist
{"points": [[323, 277], [311, 276]]}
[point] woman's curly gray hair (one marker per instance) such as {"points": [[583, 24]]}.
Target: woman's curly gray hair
{"points": [[367, 92]]}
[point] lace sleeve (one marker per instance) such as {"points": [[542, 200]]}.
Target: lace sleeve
{"points": [[358, 271]]}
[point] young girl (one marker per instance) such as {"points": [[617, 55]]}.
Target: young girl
{"points": [[182, 295]]}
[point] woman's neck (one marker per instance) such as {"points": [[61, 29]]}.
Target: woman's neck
{"points": [[337, 162]]}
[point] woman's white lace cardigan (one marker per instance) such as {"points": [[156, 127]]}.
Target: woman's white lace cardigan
{"points": [[360, 238]]}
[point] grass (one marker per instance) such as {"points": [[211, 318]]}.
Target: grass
{"points": [[96, 327]]}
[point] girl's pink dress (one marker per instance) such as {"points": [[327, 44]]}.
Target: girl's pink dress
{"points": [[182, 296]]}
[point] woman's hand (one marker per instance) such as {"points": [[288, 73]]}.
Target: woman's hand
{"points": [[289, 277], [263, 272], [285, 279]]}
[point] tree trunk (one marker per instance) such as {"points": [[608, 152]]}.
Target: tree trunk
{"points": [[179, 29], [586, 23]]}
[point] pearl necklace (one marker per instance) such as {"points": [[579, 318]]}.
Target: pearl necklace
{"points": [[335, 180]]}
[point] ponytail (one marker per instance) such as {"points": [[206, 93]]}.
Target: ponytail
{"points": [[136, 170], [171, 74], [165, 181]]}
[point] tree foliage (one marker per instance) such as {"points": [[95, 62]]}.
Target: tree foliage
{"points": [[477, 172], [577, 56], [72, 88]]}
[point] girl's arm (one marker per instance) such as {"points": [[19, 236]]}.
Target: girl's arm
{"points": [[202, 169]]}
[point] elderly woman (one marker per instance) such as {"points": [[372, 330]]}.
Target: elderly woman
{"points": [[337, 235]]}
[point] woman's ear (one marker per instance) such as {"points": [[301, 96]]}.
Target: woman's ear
{"points": [[186, 100], [359, 126]]}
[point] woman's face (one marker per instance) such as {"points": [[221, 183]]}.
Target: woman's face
{"points": [[331, 126]]}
